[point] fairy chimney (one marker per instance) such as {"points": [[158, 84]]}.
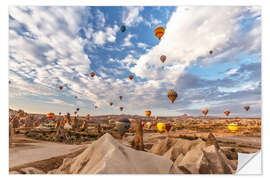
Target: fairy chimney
{"points": [[137, 142]]}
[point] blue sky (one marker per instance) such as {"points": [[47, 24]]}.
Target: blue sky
{"points": [[53, 46]]}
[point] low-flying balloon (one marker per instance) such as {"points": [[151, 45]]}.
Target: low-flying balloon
{"points": [[246, 108], [159, 32], [233, 127], [148, 125], [122, 28], [130, 77], [75, 112], [163, 58], [143, 124], [168, 127], [227, 112], [204, 111], [161, 127], [172, 95], [92, 74], [148, 113], [50, 116]]}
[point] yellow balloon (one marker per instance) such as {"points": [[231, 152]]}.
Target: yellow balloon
{"points": [[233, 127], [161, 127]]}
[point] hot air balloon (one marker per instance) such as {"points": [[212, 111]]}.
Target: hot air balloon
{"points": [[75, 112], [233, 127], [120, 97], [96, 107], [210, 52], [154, 123], [227, 112], [172, 95], [161, 127], [59, 113], [92, 74], [159, 32], [163, 58], [156, 118], [60, 87], [77, 109], [130, 77], [50, 116], [122, 126], [143, 124], [76, 97], [147, 113], [246, 108], [121, 108], [122, 28], [168, 127], [111, 103], [148, 125], [9, 82], [204, 111]]}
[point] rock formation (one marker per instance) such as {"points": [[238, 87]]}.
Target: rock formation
{"points": [[137, 142], [108, 156], [75, 123]]}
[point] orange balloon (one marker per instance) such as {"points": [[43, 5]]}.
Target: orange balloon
{"points": [[246, 108], [130, 77], [50, 116], [159, 32], [172, 95], [148, 113], [92, 74], [227, 112]]}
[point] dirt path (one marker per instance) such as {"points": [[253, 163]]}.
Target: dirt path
{"points": [[26, 150]]}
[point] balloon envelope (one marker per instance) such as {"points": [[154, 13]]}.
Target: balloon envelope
{"points": [[246, 108], [60, 87], [227, 112], [205, 111], [92, 74], [172, 95], [159, 32], [122, 28], [130, 77], [148, 113], [163, 58], [233, 127], [50, 115], [161, 127]]}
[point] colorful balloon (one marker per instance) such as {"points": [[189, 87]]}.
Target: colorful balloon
{"points": [[122, 28], [204, 111], [148, 125], [50, 116], [246, 108], [92, 74], [143, 124], [161, 127], [227, 112], [130, 77], [147, 113], [172, 95], [233, 127], [159, 32], [60, 87], [163, 58], [168, 127], [75, 112]]}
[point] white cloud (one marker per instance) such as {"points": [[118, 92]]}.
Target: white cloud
{"points": [[127, 41], [142, 45], [131, 16], [109, 35], [232, 71]]}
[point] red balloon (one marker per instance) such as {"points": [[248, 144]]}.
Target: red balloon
{"points": [[60, 87]]}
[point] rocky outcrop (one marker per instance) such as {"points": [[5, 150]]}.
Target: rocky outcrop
{"points": [[108, 156], [137, 142]]}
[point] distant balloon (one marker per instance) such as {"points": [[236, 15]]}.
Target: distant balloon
{"points": [[168, 127], [75, 112], [59, 113], [210, 52], [78, 109], [130, 77], [121, 108], [233, 127], [60, 87], [163, 58], [246, 108], [204, 111], [96, 107], [159, 32], [172, 95], [122, 28], [92, 74], [120, 97], [76, 97], [227, 112], [148, 113], [9, 82], [111, 103], [50, 116]]}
